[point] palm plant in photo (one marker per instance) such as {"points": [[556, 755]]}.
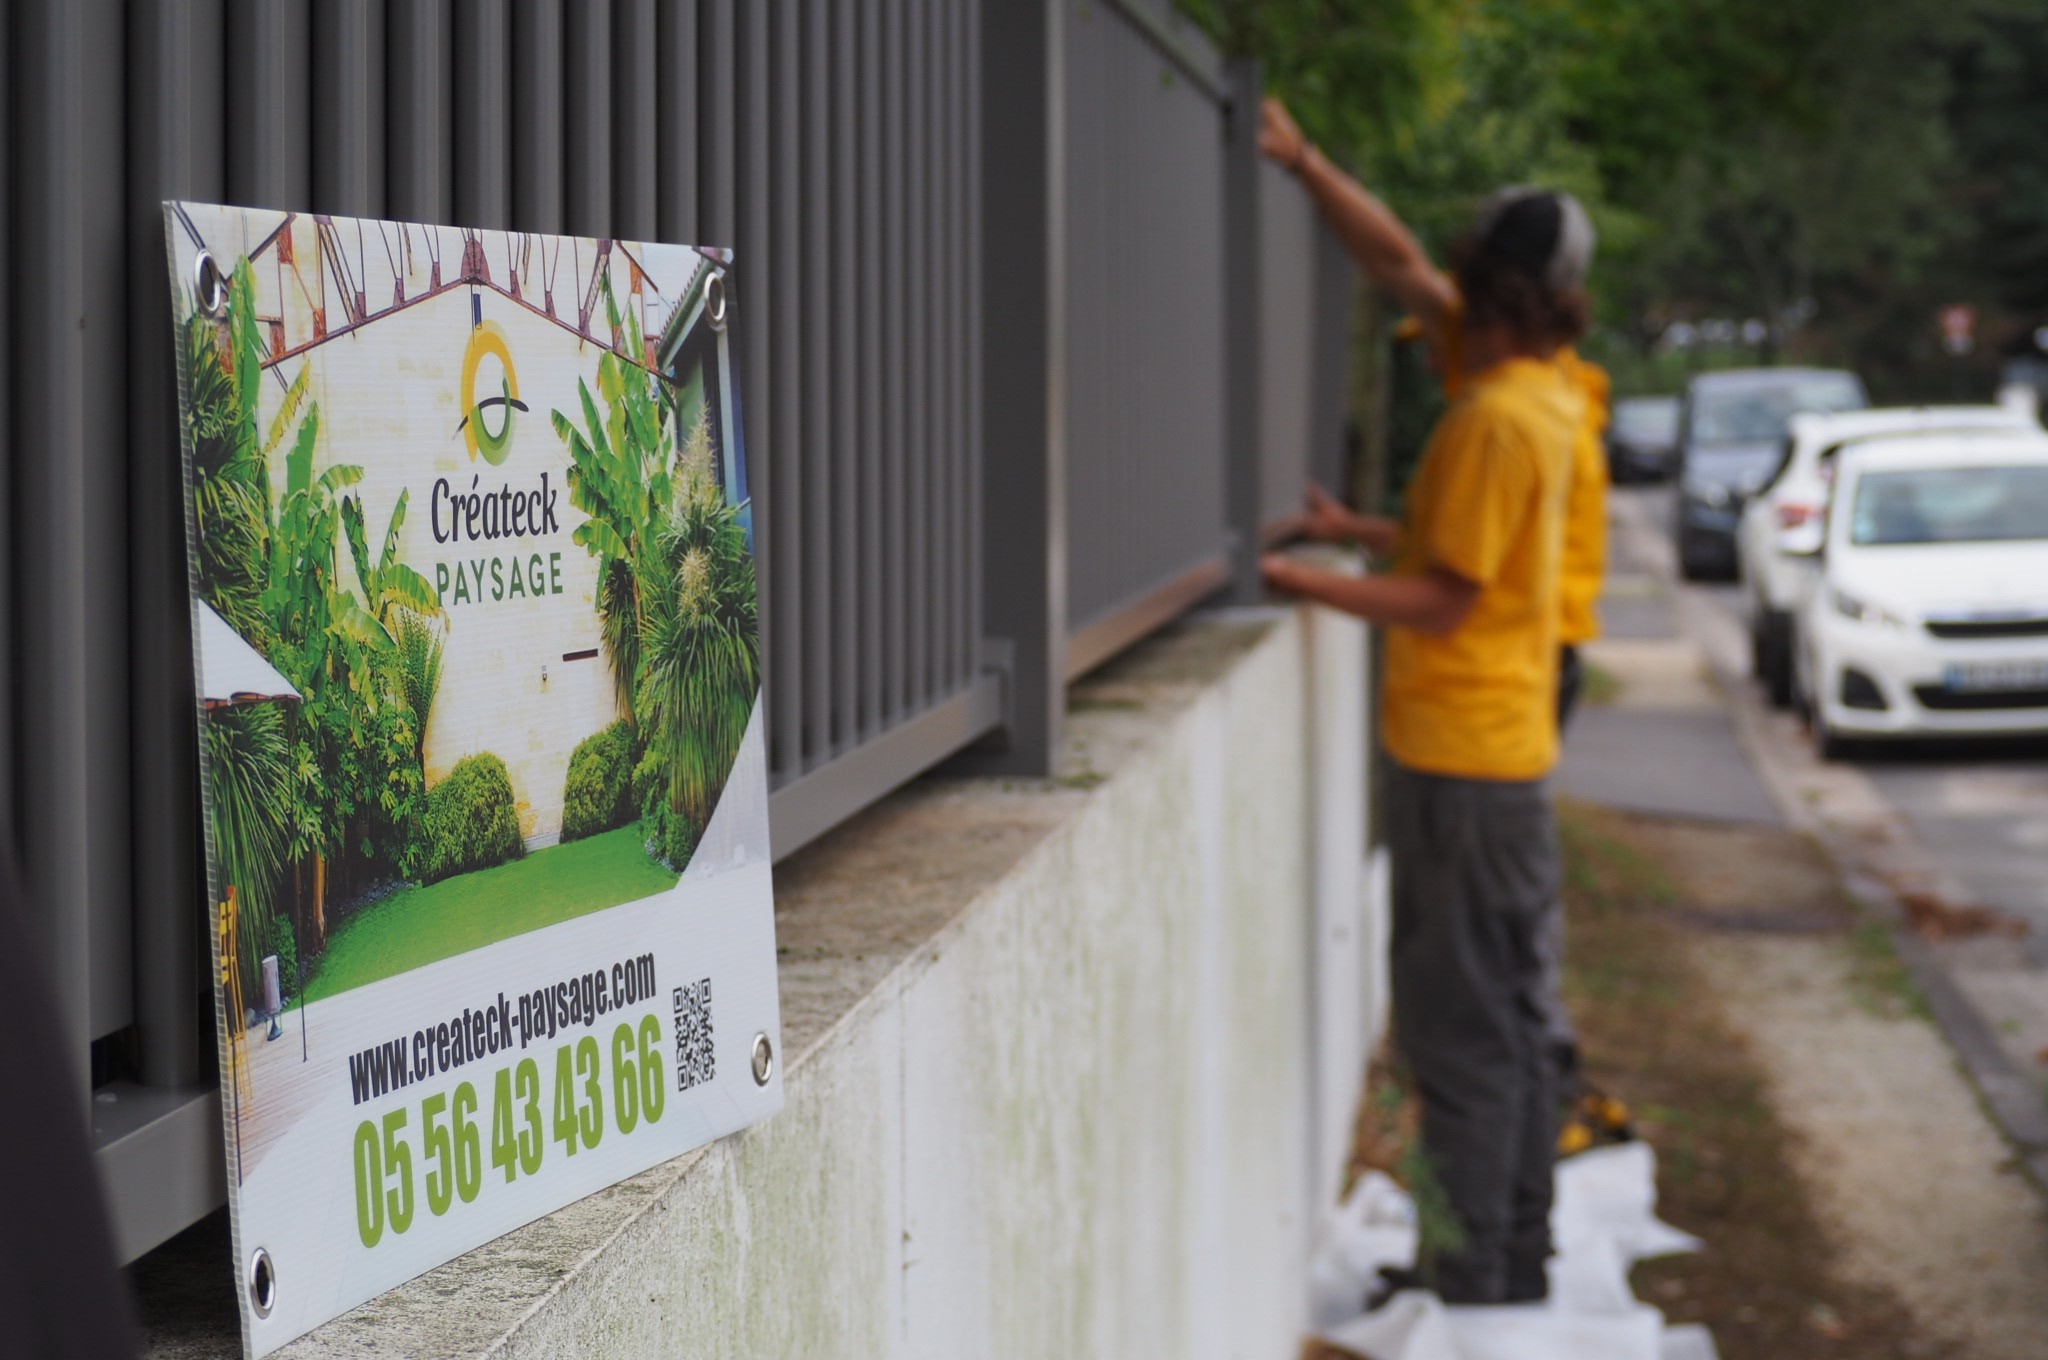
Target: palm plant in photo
{"points": [[701, 666], [676, 585], [247, 771], [619, 476], [420, 646]]}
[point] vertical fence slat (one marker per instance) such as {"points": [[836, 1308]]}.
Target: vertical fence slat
{"points": [[270, 104], [895, 437], [717, 141], [971, 514], [785, 389], [10, 566], [755, 294], [481, 170], [69, 291], [635, 119], [917, 362], [872, 370], [841, 65], [176, 149], [811, 313], [421, 120], [939, 275], [348, 107], [961, 121], [587, 118], [537, 100], [677, 83]]}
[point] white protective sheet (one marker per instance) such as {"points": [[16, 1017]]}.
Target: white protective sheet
{"points": [[1604, 1221]]}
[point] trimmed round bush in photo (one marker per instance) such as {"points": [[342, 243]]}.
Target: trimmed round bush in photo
{"points": [[472, 821], [598, 795]]}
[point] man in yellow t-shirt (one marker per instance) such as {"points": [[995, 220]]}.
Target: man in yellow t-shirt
{"points": [[1585, 528], [1471, 612]]}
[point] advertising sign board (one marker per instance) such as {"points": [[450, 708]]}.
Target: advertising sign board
{"points": [[485, 787]]}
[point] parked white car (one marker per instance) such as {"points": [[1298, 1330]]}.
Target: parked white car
{"points": [[1781, 526], [1929, 611]]}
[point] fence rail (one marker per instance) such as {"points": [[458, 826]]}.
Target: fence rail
{"points": [[1002, 423]]}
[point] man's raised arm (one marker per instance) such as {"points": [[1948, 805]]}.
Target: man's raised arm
{"points": [[1378, 240]]}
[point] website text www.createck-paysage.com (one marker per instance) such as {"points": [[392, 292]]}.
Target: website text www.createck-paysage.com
{"points": [[473, 1034]]}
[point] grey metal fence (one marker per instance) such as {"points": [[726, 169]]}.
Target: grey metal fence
{"points": [[993, 291], [1145, 329]]}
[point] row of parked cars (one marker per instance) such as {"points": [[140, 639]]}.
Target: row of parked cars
{"points": [[1893, 562]]}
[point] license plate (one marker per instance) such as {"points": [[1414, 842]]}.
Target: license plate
{"points": [[1998, 675]]}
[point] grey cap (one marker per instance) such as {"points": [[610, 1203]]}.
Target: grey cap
{"points": [[1542, 232]]}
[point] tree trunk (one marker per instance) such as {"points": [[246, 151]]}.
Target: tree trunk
{"points": [[319, 901]]}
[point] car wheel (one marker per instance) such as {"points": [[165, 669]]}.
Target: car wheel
{"points": [[1774, 659], [1829, 744]]}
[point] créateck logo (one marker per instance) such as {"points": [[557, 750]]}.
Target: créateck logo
{"points": [[487, 342]]}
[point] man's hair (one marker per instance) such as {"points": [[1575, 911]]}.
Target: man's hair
{"points": [[1523, 266], [1498, 292]]}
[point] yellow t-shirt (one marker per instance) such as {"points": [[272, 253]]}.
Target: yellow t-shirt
{"points": [[1585, 529], [1585, 516], [1487, 504]]}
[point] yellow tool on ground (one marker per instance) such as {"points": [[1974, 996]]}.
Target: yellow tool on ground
{"points": [[1595, 1118]]}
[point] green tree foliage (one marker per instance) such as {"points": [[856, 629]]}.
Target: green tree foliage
{"points": [[336, 777], [619, 476], [677, 591], [246, 761], [701, 655], [1835, 168]]}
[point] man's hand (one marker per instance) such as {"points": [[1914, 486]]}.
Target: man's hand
{"points": [[1328, 520], [1280, 572], [1280, 137]]}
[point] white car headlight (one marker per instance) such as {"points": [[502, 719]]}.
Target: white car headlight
{"points": [[1863, 611], [1710, 494]]}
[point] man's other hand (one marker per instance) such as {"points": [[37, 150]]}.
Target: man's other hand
{"points": [[1280, 137]]}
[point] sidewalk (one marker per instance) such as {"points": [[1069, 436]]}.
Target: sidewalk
{"points": [[1988, 990], [1783, 881]]}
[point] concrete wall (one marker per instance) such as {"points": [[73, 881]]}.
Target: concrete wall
{"points": [[1094, 1112]]}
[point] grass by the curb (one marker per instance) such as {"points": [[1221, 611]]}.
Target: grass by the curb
{"points": [[1598, 685], [416, 926], [1653, 1033]]}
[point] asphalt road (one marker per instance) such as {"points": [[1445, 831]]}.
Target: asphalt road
{"points": [[1979, 809]]}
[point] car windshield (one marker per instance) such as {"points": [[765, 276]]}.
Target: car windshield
{"points": [[1651, 420], [1757, 412], [1951, 505]]}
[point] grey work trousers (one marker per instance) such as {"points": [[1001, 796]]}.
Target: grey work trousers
{"points": [[1476, 874]]}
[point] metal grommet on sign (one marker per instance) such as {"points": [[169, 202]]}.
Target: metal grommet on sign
{"points": [[715, 301], [211, 287], [262, 1283], [764, 1060]]}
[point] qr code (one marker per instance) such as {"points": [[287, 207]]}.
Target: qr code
{"points": [[696, 1057]]}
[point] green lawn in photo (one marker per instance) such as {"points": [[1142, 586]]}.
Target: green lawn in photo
{"points": [[416, 926]]}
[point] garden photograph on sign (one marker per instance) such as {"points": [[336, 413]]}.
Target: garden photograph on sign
{"points": [[484, 779]]}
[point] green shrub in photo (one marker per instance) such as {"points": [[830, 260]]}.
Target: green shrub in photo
{"points": [[598, 795], [668, 831], [284, 942], [471, 821]]}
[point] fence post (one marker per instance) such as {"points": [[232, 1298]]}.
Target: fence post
{"points": [[1243, 379], [1023, 129]]}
